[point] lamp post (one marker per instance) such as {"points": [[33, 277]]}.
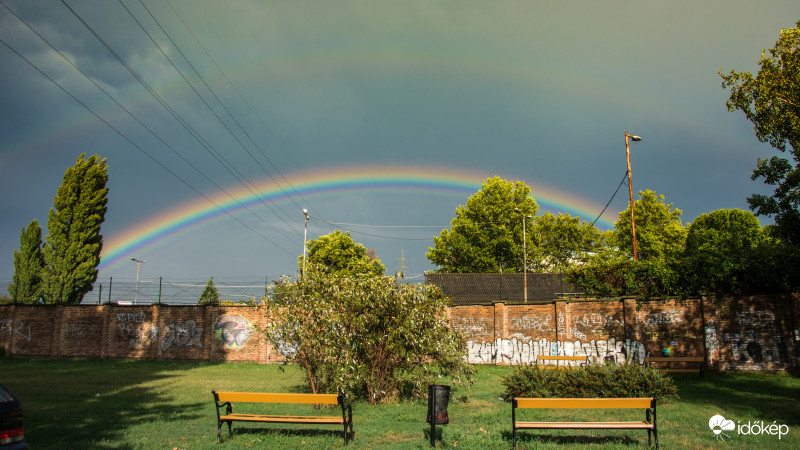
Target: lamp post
{"points": [[305, 235], [630, 189], [524, 254], [138, 263]]}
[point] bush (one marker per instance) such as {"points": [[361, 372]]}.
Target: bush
{"points": [[370, 337], [594, 381], [643, 279]]}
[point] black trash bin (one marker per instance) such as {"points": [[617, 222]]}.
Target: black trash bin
{"points": [[438, 398]]}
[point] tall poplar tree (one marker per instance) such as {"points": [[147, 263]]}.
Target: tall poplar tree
{"points": [[26, 286], [72, 247]]}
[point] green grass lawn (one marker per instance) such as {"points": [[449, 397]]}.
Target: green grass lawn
{"points": [[156, 404]]}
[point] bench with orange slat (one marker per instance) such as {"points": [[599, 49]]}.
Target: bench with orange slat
{"points": [[228, 399], [667, 361], [544, 359], [648, 404]]}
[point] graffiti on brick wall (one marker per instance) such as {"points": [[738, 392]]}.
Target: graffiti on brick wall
{"points": [[751, 348], [132, 317], [757, 342], [233, 330], [541, 323], [662, 318], [471, 325], [16, 328], [80, 330], [519, 350], [595, 323], [181, 335], [712, 345], [134, 329], [137, 334]]}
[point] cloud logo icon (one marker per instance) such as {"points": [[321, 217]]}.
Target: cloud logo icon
{"points": [[718, 424]]}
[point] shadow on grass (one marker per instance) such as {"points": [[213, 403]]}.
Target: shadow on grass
{"points": [[94, 403], [766, 395], [267, 430], [529, 439]]}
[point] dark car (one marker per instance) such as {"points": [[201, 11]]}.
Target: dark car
{"points": [[11, 430]]}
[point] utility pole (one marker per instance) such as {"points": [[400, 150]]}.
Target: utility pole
{"points": [[138, 263], [630, 189], [305, 236], [524, 253]]}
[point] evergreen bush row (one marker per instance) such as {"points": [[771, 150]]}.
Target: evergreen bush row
{"points": [[594, 381]]}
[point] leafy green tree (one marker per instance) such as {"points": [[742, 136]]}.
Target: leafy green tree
{"points": [[728, 252], [72, 247], [210, 295], [771, 101], [659, 231], [341, 255], [371, 337], [564, 241], [486, 234], [28, 266]]}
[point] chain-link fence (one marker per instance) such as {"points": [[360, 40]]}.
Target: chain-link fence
{"points": [[170, 292], [485, 288]]}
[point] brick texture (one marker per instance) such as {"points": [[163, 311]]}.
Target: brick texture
{"points": [[747, 333]]}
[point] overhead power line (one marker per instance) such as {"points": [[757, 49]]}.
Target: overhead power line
{"points": [[609, 200], [127, 138]]}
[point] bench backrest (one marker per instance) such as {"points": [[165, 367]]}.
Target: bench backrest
{"points": [[584, 403], [674, 359], [259, 397], [560, 358]]}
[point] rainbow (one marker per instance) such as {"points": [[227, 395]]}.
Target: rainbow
{"points": [[120, 246]]}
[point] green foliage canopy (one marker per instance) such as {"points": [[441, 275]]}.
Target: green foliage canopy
{"points": [[564, 241], [659, 232], [370, 337], [728, 252], [486, 234], [771, 101], [210, 295], [73, 245], [341, 255], [26, 286]]}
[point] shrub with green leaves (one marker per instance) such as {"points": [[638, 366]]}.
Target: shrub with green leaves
{"points": [[371, 337], [594, 381]]}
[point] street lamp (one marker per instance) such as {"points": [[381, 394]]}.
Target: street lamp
{"points": [[138, 263], [524, 253], [305, 234], [630, 189]]}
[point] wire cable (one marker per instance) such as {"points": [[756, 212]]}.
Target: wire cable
{"points": [[153, 133], [609, 200], [134, 144], [250, 107], [241, 177]]}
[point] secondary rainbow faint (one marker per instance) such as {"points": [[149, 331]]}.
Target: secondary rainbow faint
{"points": [[309, 184]]}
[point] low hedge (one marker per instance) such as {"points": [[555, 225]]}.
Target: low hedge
{"points": [[593, 381]]}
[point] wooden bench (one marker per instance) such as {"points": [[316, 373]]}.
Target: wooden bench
{"points": [[648, 404], [544, 358], [668, 360], [228, 399]]}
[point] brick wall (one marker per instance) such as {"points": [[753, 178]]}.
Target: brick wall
{"points": [[749, 333]]}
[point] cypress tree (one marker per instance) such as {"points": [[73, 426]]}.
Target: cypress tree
{"points": [[210, 295], [73, 245], [26, 286]]}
